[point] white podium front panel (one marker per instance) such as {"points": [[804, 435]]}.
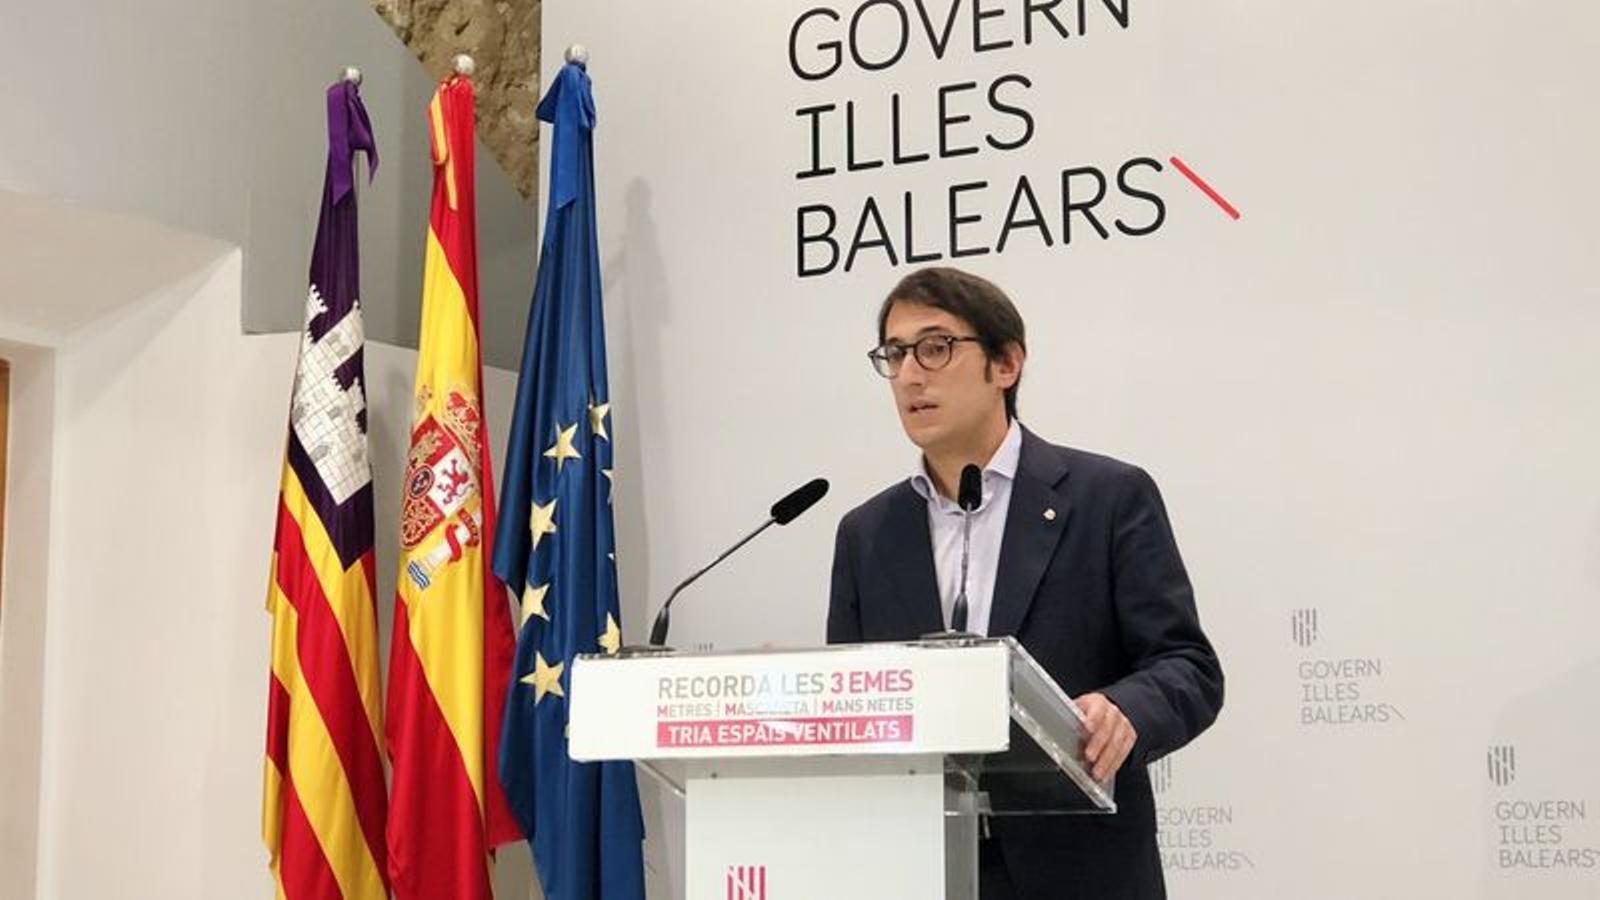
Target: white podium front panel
{"points": [[866, 699], [816, 828]]}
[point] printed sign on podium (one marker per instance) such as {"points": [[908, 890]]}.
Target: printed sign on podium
{"points": [[843, 772]]}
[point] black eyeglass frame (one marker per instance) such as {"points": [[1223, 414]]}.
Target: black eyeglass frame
{"points": [[879, 355]]}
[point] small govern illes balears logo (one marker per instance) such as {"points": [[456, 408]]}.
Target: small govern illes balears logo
{"points": [[747, 883], [1304, 622], [1161, 774], [1503, 764]]}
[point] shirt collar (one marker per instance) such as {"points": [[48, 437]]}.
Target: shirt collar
{"points": [[1003, 464]]}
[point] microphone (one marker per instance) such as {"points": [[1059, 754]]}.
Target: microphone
{"points": [[798, 501], [783, 512], [969, 497], [970, 494]]}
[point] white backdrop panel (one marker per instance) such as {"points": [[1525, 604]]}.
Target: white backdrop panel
{"points": [[1369, 400]]}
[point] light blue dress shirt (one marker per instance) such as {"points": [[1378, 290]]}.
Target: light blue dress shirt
{"points": [[988, 528]]}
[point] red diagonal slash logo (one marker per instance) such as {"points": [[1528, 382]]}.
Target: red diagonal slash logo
{"points": [[1206, 189]]}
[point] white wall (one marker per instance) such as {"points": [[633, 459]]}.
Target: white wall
{"points": [[169, 441], [29, 459], [149, 140], [1371, 396], [209, 117]]}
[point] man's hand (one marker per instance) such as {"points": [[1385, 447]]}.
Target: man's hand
{"points": [[1110, 735]]}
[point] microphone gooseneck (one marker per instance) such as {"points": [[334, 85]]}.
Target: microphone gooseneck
{"points": [[969, 498], [783, 512], [658, 631]]}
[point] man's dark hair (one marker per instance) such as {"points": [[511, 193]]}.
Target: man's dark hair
{"points": [[974, 300]]}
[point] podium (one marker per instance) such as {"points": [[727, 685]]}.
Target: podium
{"points": [[859, 771]]}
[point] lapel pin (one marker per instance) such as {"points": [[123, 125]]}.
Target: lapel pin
{"points": [[1050, 515]]}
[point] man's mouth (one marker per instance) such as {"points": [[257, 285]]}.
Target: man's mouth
{"points": [[920, 406]]}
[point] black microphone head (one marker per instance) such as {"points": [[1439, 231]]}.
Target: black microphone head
{"points": [[799, 500], [970, 496]]}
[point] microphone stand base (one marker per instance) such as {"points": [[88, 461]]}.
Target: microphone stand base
{"points": [[934, 636], [628, 651]]}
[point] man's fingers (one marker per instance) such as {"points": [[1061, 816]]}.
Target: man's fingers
{"points": [[1119, 743], [1118, 754], [1095, 747], [1109, 736], [1096, 721], [1102, 760]]}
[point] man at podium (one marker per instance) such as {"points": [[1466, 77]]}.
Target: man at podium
{"points": [[1070, 552]]}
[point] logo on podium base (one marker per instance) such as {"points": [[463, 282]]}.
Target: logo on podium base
{"points": [[747, 883]]}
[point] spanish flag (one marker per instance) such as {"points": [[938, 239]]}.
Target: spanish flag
{"points": [[450, 657], [322, 805]]}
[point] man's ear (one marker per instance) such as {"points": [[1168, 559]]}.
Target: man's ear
{"points": [[1008, 365]]}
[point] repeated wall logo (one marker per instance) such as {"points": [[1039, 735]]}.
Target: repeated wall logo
{"points": [[1338, 689], [845, 123], [1195, 836], [1540, 833], [1304, 624], [1160, 775], [1502, 764]]}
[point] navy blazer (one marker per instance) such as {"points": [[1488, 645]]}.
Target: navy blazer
{"points": [[1098, 594]]}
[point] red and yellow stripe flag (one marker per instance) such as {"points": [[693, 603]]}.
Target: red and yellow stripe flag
{"points": [[322, 806], [450, 658]]}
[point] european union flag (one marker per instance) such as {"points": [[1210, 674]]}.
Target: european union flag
{"points": [[582, 819]]}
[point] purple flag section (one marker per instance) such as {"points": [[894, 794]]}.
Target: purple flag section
{"points": [[332, 358]]}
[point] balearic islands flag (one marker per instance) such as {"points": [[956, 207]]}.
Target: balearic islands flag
{"points": [[322, 807], [582, 819], [452, 644]]}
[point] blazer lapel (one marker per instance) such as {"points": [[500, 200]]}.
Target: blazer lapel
{"points": [[909, 553], [1034, 525]]}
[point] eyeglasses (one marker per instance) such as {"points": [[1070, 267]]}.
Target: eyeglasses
{"points": [[932, 352]]}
